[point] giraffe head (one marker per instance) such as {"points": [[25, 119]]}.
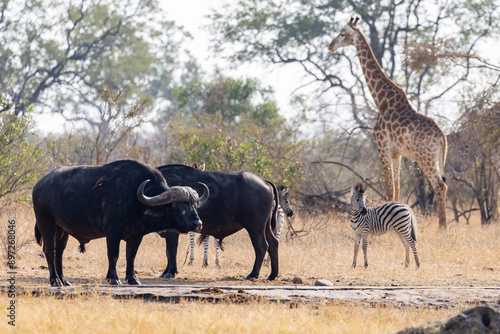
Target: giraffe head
{"points": [[346, 37]]}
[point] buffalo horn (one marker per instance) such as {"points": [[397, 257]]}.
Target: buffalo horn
{"points": [[173, 194], [205, 196]]}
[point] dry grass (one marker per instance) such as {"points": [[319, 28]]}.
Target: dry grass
{"points": [[97, 314], [467, 255]]}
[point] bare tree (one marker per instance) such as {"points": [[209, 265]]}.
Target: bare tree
{"points": [[477, 159]]}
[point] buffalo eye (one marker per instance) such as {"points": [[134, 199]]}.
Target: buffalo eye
{"points": [[183, 212]]}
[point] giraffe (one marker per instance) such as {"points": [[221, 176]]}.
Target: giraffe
{"points": [[399, 130]]}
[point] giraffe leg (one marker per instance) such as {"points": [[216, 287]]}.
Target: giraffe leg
{"points": [[386, 160], [396, 170], [440, 188]]}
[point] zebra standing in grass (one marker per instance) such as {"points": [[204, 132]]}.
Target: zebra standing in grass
{"points": [[283, 208], [380, 220]]}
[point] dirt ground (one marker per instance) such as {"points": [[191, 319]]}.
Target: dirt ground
{"points": [[238, 290]]}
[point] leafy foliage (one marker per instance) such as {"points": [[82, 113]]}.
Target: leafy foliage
{"points": [[230, 97], [78, 46], [20, 156], [244, 145]]}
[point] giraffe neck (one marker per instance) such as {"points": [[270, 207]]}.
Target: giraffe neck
{"points": [[380, 86]]}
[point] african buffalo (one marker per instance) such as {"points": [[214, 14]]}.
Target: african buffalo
{"points": [[123, 200], [238, 201]]}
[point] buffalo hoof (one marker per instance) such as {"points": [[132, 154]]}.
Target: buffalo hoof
{"points": [[66, 283], [249, 277], [271, 277], [167, 275], [56, 282], [114, 281], [133, 281]]}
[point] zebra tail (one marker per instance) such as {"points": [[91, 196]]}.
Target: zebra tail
{"points": [[413, 227], [38, 235]]}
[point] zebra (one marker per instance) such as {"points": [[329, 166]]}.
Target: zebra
{"points": [[283, 208], [380, 220]]}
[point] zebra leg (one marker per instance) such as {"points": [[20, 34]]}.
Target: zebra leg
{"points": [[217, 246], [206, 244], [191, 243], [407, 250], [356, 249], [405, 240], [365, 249]]}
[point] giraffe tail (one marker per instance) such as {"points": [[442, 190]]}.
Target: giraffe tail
{"points": [[444, 149]]}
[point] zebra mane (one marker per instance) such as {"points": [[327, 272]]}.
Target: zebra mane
{"points": [[358, 187]]}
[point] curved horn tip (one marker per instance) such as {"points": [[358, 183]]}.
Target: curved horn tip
{"points": [[140, 192], [205, 196], [142, 186]]}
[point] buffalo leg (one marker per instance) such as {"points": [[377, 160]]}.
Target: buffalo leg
{"points": [[60, 247], [131, 249], [172, 243], [273, 252], [47, 230], [113, 244], [260, 247]]}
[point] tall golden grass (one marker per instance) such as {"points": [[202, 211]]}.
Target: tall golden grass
{"points": [[467, 255], [98, 314]]}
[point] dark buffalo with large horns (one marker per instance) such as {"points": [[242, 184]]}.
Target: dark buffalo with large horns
{"points": [[238, 201], [123, 200]]}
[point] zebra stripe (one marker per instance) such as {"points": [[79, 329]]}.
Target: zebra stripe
{"points": [[191, 243], [206, 245], [380, 220]]}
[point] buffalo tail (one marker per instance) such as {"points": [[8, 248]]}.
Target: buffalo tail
{"points": [[38, 235]]}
